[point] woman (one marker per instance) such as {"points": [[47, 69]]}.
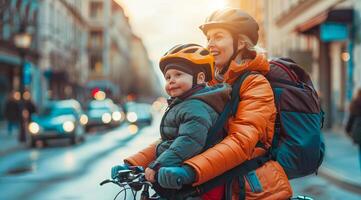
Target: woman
{"points": [[232, 37]]}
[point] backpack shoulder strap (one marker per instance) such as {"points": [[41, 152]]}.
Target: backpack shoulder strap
{"points": [[247, 166], [230, 108], [235, 91]]}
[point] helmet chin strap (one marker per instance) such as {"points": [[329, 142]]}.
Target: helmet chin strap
{"points": [[235, 53], [194, 80]]}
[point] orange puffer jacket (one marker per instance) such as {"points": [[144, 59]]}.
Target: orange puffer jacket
{"points": [[254, 121]]}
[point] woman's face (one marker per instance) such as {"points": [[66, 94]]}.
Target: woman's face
{"points": [[220, 44]]}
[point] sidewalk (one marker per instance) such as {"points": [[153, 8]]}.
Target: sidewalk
{"points": [[341, 163], [8, 143]]}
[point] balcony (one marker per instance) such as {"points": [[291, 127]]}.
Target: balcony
{"points": [[96, 14]]}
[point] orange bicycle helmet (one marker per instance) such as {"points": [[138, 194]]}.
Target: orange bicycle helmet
{"points": [[234, 20], [190, 57]]}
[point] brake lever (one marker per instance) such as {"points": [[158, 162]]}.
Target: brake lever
{"points": [[112, 181], [105, 182]]}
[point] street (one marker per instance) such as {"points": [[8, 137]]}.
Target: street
{"points": [[68, 67], [69, 172], [61, 171]]}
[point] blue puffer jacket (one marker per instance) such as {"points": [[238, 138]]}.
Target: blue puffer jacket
{"points": [[185, 125]]}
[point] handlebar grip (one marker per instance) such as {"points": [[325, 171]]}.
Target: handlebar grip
{"points": [[105, 182]]}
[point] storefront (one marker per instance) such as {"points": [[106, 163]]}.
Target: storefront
{"points": [[334, 31]]}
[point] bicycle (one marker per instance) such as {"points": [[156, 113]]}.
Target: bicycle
{"points": [[133, 180]]}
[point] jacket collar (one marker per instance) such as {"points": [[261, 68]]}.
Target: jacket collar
{"points": [[259, 64], [185, 95]]}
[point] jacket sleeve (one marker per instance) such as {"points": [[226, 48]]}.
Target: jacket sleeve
{"points": [[143, 157], [194, 122], [255, 115]]}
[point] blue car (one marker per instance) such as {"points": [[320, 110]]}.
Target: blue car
{"points": [[59, 119], [104, 113], [138, 113]]}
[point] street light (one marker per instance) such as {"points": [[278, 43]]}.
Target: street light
{"points": [[22, 41]]}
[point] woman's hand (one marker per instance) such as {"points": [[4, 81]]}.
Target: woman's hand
{"points": [[175, 177], [150, 174]]}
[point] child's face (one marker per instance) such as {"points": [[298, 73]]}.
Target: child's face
{"points": [[177, 82]]}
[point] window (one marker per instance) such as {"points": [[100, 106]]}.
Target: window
{"points": [[96, 9], [96, 64], [96, 39], [6, 32]]}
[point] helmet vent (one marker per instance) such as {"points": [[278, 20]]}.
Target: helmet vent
{"points": [[176, 49], [204, 53], [190, 50]]}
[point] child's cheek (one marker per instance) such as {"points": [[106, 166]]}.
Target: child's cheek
{"points": [[167, 88]]}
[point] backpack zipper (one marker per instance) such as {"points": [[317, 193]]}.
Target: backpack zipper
{"points": [[290, 74]]}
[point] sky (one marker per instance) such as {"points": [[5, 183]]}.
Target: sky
{"points": [[164, 23]]}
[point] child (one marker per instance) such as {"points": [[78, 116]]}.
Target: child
{"points": [[193, 109]]}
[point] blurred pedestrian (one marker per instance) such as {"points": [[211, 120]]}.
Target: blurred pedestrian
{"points": [[29, 106], [12, 111], [353, 127]]}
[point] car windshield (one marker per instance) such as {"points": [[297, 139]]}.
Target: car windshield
{"points": [[137, 107], [57, 111], [98, 106]]}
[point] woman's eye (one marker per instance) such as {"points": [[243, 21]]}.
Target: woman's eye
{"points": [[178, 74], [218, 37]]}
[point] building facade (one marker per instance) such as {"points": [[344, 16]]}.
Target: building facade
{"points": [[76, 46], [117, 58], [62, 36], [147, 83], [17, 16], [108, 47], [323, 37]]}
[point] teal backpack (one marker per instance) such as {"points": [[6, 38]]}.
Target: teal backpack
{"points": [[298, 143]]}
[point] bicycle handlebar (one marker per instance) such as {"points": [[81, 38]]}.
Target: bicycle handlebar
{"points": [[135, 179]]}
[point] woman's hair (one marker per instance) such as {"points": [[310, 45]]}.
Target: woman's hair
{"points": [[251, 50]]}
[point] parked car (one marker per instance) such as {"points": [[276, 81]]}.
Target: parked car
{"points": [[104, 113], [59, 119], [138, 113]]}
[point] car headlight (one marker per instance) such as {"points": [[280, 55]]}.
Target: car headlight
{"points": [[116, 116], [68, 126], [133, 128], [83, 119], [34, 128], [132, 117], [106, 118]]}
